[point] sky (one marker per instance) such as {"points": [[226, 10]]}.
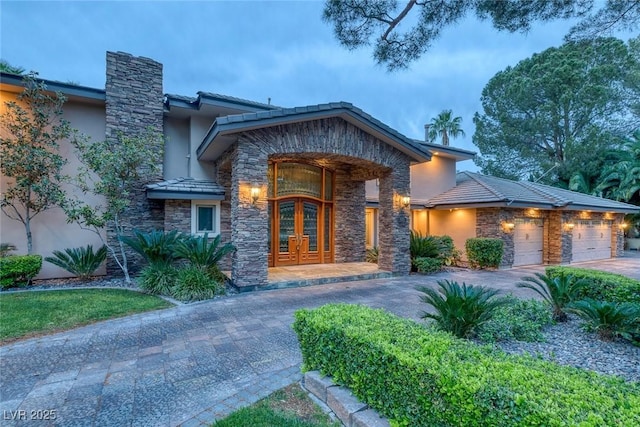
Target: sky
{"points": [[266, 49]]}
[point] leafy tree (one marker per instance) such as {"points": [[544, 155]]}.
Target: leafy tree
{"points": [[115, 170], [5, 67], [445, 126], [621, 180], [402, 34], [555, 113], [32, 127]]}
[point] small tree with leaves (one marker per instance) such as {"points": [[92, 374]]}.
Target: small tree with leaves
{"points": [[115, 169], [32, 128]]}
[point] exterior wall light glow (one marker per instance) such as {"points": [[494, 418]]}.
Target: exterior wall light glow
{"points": [[406, 201], [569, 226], [508, 226], [623, 225], [255, 194]]}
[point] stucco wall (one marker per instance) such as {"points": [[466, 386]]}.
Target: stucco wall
{"points": [[431, 178], [176, 148], [460, 224], [50, 229], [198, 127]]}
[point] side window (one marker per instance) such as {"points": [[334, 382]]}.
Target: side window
{"points": [[205, 217]]}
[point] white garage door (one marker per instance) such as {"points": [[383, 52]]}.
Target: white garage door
{"points": [[591, 240], [528, 237]]}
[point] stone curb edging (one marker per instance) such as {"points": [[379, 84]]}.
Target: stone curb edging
{"points": [[349, 410]]}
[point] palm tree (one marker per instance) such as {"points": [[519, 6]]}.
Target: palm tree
{"points": [[621, 180], [5, 67], [445, 126]]}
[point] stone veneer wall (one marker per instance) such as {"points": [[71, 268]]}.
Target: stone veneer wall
{"points": [[349, 217], [177, 215], [224, 179], [134, 103], [334, 143]]}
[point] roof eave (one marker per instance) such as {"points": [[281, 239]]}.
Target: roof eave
{"points": [[182, 195], [67, 89], [218, 131]]}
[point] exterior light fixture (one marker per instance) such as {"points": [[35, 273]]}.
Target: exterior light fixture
{"points": [[569, 226], [255, 194], [508, 226], [406, 201], [623, 225]]}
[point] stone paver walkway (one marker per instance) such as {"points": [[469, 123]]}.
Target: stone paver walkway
{"points": [[195, 363]]}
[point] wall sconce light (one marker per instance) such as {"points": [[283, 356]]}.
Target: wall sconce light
{"points": [[569, 226], [508, 226], [255, 194], [406, 201], [623, 225]]}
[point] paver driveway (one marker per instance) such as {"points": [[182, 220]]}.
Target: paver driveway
{"points": [[193, 363]]}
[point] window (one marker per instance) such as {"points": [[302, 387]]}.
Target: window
{"points": [[205, 217]]}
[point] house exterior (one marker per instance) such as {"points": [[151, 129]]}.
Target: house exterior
{"points": [[288, 186]]}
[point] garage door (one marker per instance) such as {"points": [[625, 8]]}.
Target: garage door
{"points": [[591, 240], [528, 237]]}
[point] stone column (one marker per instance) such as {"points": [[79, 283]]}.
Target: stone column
{"points": [[249, 221], [349, 233], [134, 103], [617, 236], [394, 221]]}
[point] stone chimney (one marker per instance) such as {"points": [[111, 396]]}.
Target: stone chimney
{"points": [[135, 103]]}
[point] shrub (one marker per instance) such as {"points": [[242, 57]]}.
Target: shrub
{"points": [[415, 377], [517, 319], [427, 265], [484, 252], [6, 249], [460, 309], [158, 278], [602, 286], [556, 291], [202, 253], [609, 319], [18, 270], [81, 262], [372, 255], [156, 246], [423, 246], [194, 284]]}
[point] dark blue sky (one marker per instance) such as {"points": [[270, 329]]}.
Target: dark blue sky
{"points": [[260, 50]]}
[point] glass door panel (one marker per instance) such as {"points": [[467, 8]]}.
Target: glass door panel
{"points": [[310, 221], [287, 236]]}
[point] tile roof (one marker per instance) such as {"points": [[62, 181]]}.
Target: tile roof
{"points": [[190, 187], [482, 190]]}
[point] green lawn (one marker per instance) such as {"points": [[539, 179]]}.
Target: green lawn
{"points": [[27, 314], [287, 407]]}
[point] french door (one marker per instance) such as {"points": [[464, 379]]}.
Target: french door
{"points": [[298, 231]]}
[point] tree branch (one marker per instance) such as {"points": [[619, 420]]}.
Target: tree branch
{"points": [[393, 24]]}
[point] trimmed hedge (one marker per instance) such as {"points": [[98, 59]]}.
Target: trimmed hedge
{"points": [[18, 270], [483, 252], [427, 265], [602, 286], [417, 377]]}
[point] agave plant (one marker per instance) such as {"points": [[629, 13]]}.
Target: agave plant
{"points": [[202, 253], [557, 291], [460, 309], [609, 319], [156, 247], [82, 262]]}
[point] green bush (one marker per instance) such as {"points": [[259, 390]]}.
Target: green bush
{"points": [[155, 246], [202, 253], [372, 255], [158, 278], [516, 320], [18, 270], [427, 265], [419, 378], [557, 291], [601, 285], [460, 309], [440, 247], [609, 319], [484, 252], [82, 262], [195, 284]]}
